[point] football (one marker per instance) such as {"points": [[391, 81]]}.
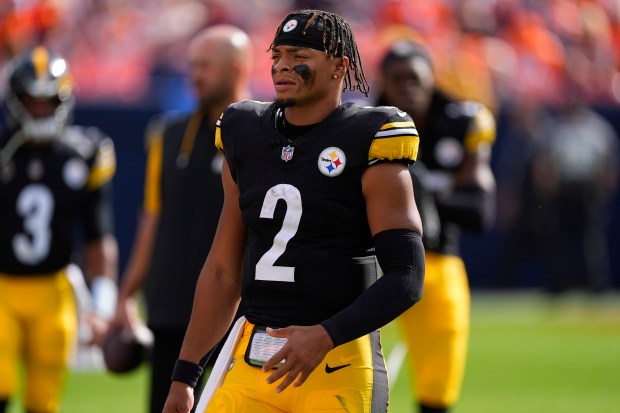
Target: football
{"points": [[126, 349]]}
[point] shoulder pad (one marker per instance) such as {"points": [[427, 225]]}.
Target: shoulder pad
{"points": [[482, 127], [84, 140], [248, 106], [397, 138], [466, 108], [245, 108]]}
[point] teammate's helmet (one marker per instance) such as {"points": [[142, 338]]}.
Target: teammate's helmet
{"points": [[39, 97], [125, 350]]}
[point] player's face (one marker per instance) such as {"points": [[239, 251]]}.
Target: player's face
{"points": [[408, 84], [39, 108], [301, 75], [211, 75]]}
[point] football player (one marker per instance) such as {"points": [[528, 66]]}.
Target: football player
{"points": [[51, 174], [457, 193], [314, 191]]}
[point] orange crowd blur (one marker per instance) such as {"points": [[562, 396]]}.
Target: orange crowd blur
{"points": [[491, 50]]}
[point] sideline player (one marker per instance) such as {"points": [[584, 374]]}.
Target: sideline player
{"points": [[456, 193], [51, 174], [313, 190]]}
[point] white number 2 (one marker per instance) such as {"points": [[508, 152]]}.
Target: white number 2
{"points": [[265, 270], [35, 204]]}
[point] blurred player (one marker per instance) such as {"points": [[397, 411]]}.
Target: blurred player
{"points": [[51, 175], [456, 192], [183, 200], [313, 189]]}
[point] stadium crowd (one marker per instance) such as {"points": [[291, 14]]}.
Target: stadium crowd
{"points": [[493, 50]]}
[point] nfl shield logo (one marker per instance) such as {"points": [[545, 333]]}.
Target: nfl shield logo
{"points": [[287, 153]]}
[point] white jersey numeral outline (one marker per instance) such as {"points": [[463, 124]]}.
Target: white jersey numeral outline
{"points": [[35, 204], [265, 268]]}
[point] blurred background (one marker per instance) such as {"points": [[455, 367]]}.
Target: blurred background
{"points": [[529, 61], [525, 59]]}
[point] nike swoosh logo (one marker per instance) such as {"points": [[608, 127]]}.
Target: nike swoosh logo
{"points": [[329, 370]]}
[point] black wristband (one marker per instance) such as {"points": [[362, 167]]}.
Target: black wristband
{"points": [[187, 372]]}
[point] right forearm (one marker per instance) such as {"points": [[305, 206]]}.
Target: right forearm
{"points": [[139, 262], [215, 304]]}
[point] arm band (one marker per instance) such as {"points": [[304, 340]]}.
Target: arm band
{"points": [[401, 256], [187, 372], [472, 209], [105, 294]]}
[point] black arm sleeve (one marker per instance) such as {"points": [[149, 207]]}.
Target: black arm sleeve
{"points": [[98, 215], [473, 209], [401, 256]]}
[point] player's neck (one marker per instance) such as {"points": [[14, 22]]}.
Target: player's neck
{"points": [[310, 114]]}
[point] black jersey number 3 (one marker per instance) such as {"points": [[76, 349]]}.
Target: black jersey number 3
{"points": [[265, 268]]}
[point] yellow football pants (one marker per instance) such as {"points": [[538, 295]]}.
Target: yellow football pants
{"points": [[38, 324], [360, 386], [436, 330]]}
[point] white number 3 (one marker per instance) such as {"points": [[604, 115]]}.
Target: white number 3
{"points": [[35, 204], [265, 270]]}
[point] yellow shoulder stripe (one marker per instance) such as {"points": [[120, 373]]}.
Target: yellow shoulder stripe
{"points": [[481, 130], [218, 134], [152, 186], [394, 148], [103, 168], [397, 125]]}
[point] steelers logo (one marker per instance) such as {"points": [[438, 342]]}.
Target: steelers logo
{"points": [[332, 161], [75, 173], [289, 26]]}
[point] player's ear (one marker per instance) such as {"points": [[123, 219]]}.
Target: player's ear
{"points": [[341, 66]]}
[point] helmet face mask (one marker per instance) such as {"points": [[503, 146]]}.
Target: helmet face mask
{"points": [[39, 97]]}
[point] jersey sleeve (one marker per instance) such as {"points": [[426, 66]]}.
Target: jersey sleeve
{"points": [[97, 214], [218, 134], [481, 130], [396, 140], [104, 165], [152, 182]]}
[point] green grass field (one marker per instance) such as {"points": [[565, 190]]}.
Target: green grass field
{"points": [[528, 353]]}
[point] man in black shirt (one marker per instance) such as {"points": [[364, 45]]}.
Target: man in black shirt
{"points": [[183, 200]]}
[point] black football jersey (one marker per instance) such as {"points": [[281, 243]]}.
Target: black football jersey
{"points": [[454, 128], [44, 190], [310, 251]]}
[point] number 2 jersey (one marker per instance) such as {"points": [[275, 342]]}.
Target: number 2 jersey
{"points": [[44, 190], [310, 251]]}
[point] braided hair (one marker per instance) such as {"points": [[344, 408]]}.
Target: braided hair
{"points": [[338, 41]]}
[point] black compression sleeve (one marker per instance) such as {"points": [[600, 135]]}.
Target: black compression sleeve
{"points": [[401, 256], [473, 209]]}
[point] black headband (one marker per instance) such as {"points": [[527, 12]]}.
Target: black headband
{"points": [[295, 33]]}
